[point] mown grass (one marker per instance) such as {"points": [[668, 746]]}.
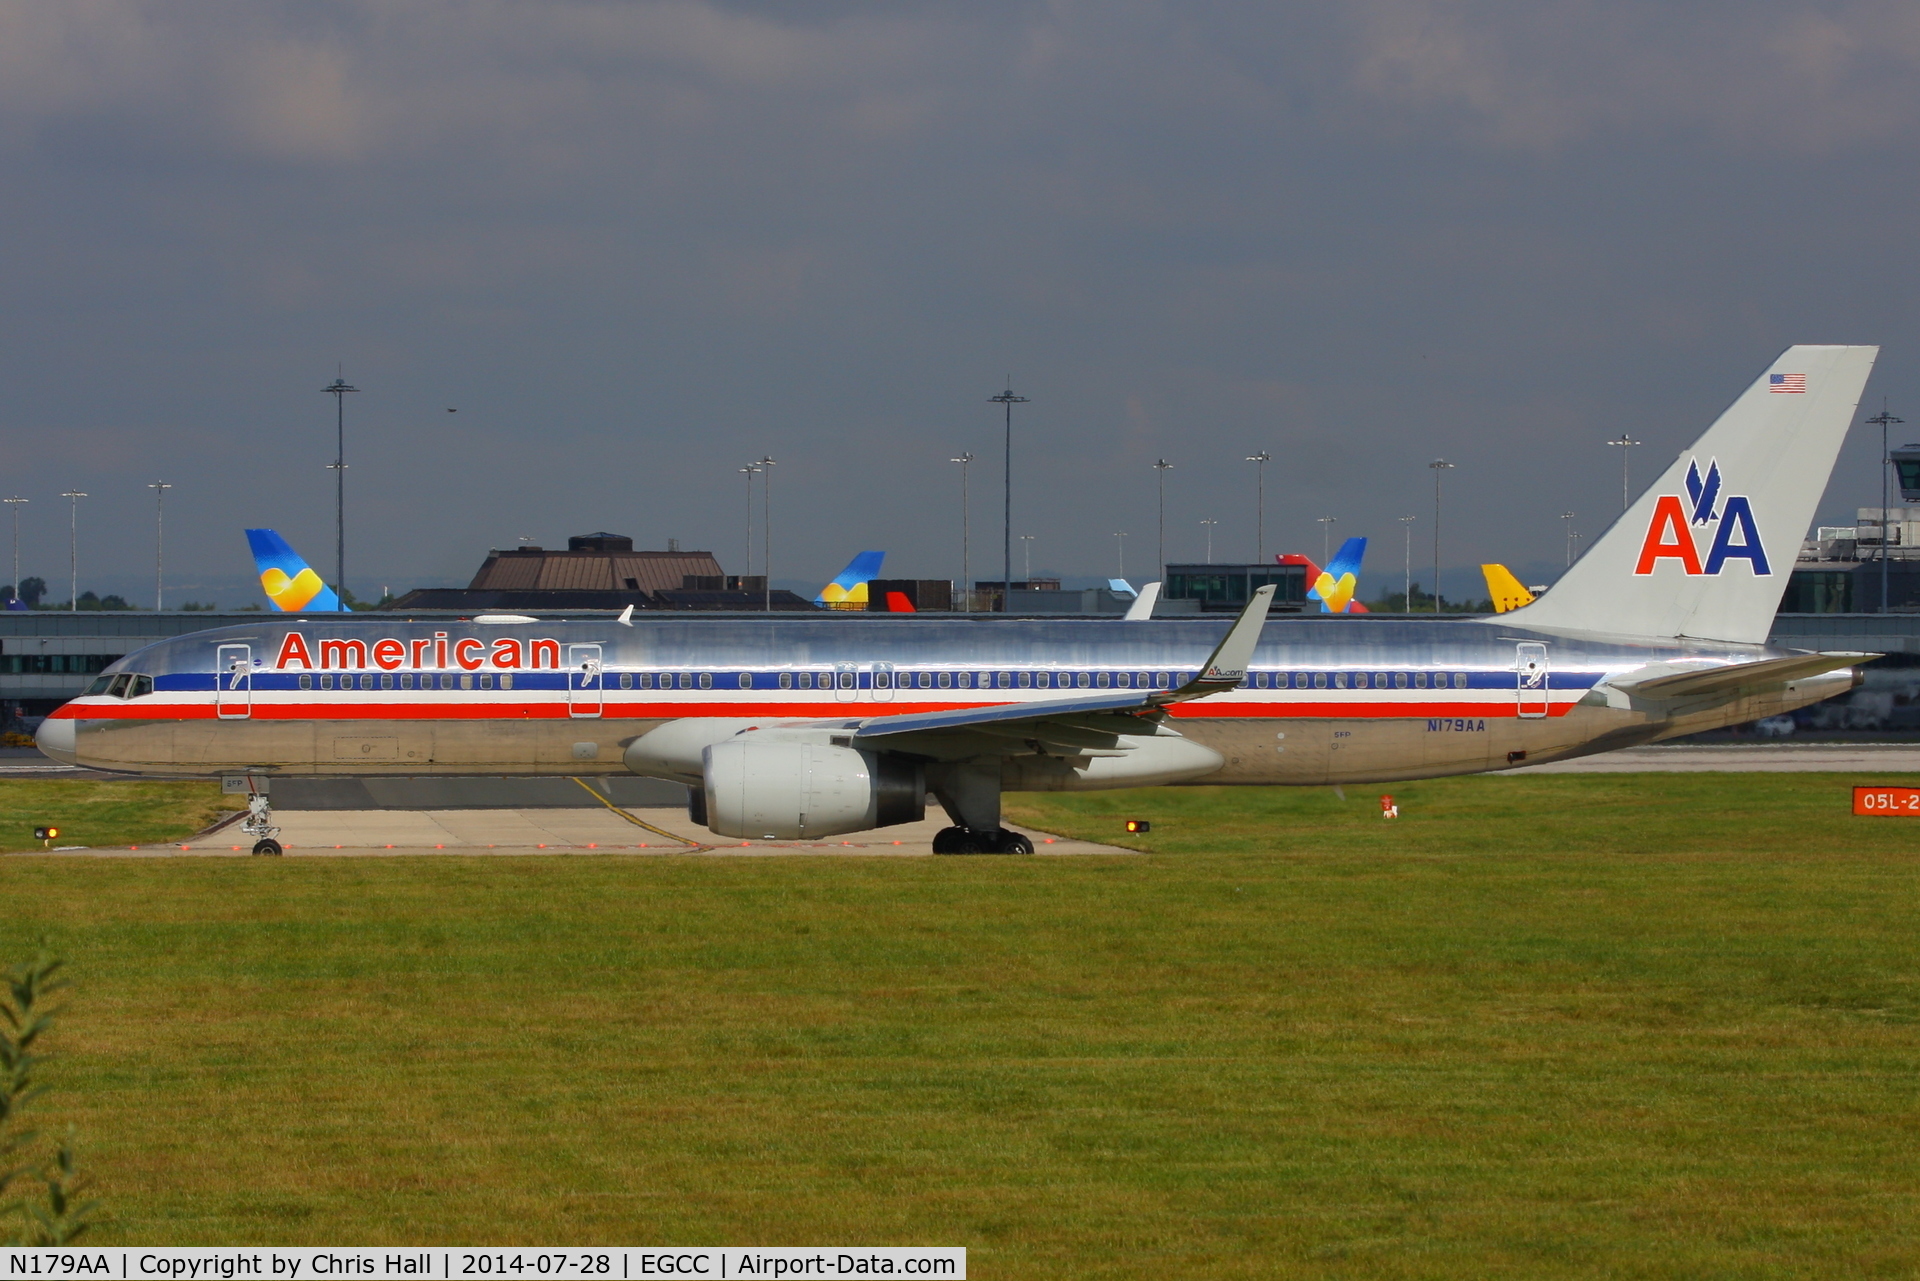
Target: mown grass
{"points": [[1653, 1026], [105, 812]]}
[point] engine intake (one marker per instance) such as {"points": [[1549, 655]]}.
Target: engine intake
{"points": [[767, 788]]}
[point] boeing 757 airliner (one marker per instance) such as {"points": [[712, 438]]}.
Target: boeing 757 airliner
{"points": [[787, 726]]}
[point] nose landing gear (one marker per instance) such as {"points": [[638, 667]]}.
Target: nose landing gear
{"points": [[259, 822]]}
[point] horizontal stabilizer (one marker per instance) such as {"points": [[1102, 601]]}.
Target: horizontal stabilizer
{"points": [[1741, 676]]}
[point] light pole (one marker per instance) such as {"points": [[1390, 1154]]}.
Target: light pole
{"points": [[1406, 591], [73, 497], [1260, 503], [749, 471], [1209, 524], [1027, 539], [159, 488], [14, 503], [1161, 469], [1326, 524], [1626, 444], [1885, 420], [338, 389], [1120, 541], [1009, 400], [1567, 517], [966, 552], [1439, 466], [766, 526]]}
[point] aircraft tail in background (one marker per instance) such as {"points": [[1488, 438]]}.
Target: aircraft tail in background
{"points": [[1506, 591], [1706, 551], [289, 582], [1335, 585], [848, 590]]}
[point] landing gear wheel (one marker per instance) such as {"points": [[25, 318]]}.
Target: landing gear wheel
{"points": [[1009, 842], [269, 847], [961, 840]]}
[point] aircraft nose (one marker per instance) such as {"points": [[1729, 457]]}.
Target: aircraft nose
{"points": [[55, 738]]}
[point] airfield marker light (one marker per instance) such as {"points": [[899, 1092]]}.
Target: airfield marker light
{"points": [[45, 835], [1139, 825]]}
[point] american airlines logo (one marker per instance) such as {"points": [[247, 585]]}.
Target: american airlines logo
{"points": [[1679, 526], [421, 653]]}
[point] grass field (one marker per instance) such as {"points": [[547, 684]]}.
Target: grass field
{"points": [[1626, 1025], [105, 812]]}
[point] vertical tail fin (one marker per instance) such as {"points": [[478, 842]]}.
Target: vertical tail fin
{"points": [[289, 582], [1706, 550], [1334, 586], [1507, 592], [848, 590]]}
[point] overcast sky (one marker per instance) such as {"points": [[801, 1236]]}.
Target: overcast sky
{"points": [[636, 245]]}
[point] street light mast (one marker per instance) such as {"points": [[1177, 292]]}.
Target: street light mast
{"points": [[1009, 400], [1626, 444], [159, 488], [966, 530], [338, 389], [1439, 466], [14, 503], [1885, 420], [73, 497], [1161, 468], [1260, 504]]}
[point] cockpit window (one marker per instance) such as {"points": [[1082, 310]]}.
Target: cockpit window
{"points": [[141, 687], [119, 687], [99, 686]]}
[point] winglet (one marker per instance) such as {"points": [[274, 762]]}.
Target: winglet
{"points": [[1227, 666], [1142, 607], [626, 616]]}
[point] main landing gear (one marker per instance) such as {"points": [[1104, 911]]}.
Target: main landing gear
{"points": [[969, 791], [965, 840]]}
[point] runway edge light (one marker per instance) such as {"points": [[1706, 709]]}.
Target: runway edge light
{"points": [[1139, 825]]}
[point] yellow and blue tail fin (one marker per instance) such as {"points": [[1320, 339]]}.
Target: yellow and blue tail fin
{"points": [[1335, 585], [288, 581], [848, 590]]}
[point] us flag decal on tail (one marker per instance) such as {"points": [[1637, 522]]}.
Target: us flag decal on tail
{"points": [[1790, 383]]}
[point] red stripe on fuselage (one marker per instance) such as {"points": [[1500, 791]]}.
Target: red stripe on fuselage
{"points": [[152, 709]]}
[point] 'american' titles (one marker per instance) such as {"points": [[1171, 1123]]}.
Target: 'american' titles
{"points": [[420, 653]]}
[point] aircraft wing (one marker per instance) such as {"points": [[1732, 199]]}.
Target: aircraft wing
{"points": [[1737, 676], [1080, 723]]}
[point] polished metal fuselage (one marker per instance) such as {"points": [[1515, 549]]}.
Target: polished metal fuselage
{"points": [[1328, 700]]}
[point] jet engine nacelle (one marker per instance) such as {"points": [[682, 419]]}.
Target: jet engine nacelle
{"points": [[781, 788]]}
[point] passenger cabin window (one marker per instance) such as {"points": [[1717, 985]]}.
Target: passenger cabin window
{"points": [[1026, 680], [786, 680], [326, 680], [646, 680], [1399, 680], [706, 680], [466, 681], [946, 680], [1419, 680], [1004, 680], [306, 681], [686, 680], [1359, 680], [746, 680], [626, 680], [846, 680], [806, 680], [1083, 679], [883, 680], [406, 680], [1319, 680], [1459, 680], [926, 680], [486, 680]]}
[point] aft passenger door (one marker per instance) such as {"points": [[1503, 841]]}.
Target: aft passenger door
{"points": [[1530, 678], [585, 697], [846, 682], [880, 676], [233, 682]]}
